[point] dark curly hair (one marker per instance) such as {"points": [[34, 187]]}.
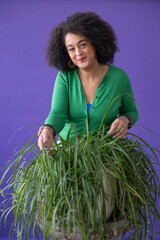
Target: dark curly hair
{"points": [[89, 24]]}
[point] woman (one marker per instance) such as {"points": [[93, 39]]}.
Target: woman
{"points": [[82, 48]]}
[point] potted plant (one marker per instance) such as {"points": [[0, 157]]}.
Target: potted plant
{"points": [[65, 192]]}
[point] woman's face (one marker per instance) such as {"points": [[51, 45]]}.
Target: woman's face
{"points": [[80, 50]]}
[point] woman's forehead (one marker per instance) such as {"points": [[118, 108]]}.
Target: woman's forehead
{"points": [[72, 38]]}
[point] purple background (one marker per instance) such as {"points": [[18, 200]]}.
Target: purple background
{"points": [[27, 82]]}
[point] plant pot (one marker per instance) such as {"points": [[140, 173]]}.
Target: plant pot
{"points": [[113, 229], [108, 201]]}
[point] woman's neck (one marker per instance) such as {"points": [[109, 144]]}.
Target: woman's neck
{"points": [[94, 73]]}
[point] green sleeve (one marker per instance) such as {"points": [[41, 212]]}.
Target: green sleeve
{"points": [[128, 105], [59, 108]]}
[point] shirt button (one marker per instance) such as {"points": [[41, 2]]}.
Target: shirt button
{"points": [[100, 86], [84, 106], [96, 96], [93, 107]]}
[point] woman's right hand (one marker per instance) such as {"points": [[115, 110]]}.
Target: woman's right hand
{"points": [[45, 138]]}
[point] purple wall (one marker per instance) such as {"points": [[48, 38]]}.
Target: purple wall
{"points": [[27, 82]]}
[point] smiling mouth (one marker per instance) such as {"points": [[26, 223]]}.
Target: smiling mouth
{"points": [[82, 59]]}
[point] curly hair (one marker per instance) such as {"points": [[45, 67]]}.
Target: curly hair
{"points": [[89, 24]]}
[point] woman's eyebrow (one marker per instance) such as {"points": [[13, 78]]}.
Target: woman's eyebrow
{"points": [[82, 40], [69, 45]]}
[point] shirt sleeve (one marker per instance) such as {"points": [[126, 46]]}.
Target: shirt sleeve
{"points": [[59, 108], [128, 105]]}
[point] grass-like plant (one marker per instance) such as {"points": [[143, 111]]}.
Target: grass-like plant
{"points": [[62, 189]]}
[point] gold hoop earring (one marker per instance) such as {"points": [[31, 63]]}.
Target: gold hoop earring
{"points": [[71, 64]]}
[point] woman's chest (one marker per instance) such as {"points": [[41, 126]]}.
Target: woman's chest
{"points": [[90, 90], [99, 95]]}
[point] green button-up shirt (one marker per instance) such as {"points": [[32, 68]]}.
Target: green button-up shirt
{"points": [[69, 105]]}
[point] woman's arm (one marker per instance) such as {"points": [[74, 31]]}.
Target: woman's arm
{"points": [[58, 113], [128, 114]]}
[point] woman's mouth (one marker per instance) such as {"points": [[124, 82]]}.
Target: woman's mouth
{"points": [[81, 59]]}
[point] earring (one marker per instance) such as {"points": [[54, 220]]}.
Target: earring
{"points": [[71, 64]]}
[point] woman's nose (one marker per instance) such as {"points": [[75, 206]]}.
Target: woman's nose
{"points": [[78, 51]]}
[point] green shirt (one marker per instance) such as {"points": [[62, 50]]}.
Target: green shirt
{"points": [[69, 105]]}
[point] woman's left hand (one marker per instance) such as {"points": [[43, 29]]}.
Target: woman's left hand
{"points": [[119, 127]]}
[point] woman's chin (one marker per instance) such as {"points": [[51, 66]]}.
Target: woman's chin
{"points": [[83, 66]]}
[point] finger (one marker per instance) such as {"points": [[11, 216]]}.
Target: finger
{"points": [[50, 152], [47, 139], [113, 127], [44, 142], [121, 133], [119, 129], [40, 143], [47, 143]]}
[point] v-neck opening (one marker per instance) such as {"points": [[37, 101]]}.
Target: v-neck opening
{"points": [[109, 66]]}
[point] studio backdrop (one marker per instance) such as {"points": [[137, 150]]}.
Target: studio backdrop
{"points": [[26, 82]]}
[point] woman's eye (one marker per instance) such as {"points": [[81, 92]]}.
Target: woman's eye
{"points": [[71, 49], [82, 45]]}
